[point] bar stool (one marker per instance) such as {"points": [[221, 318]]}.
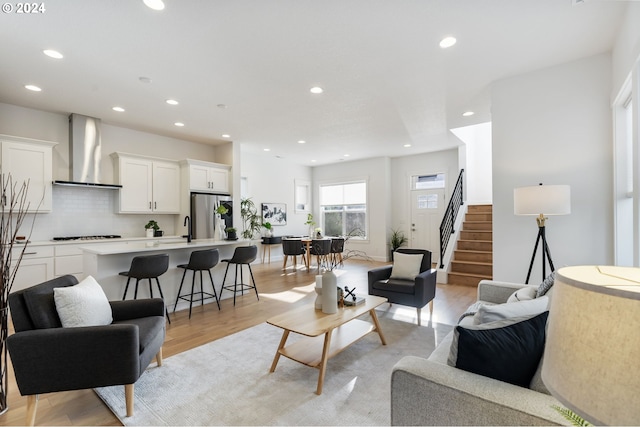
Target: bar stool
{"points": [[241, 256], [147, 267], [199, 261]]}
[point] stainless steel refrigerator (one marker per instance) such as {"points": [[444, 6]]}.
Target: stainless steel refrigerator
{"points": [[203, 215]]}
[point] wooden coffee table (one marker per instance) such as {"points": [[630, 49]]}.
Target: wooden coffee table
{"points": [[340, 330]]}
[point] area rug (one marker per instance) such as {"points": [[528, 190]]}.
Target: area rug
{"points": [[227, 382]]}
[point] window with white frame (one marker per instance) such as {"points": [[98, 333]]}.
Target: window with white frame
{"points": [[343, 209]]}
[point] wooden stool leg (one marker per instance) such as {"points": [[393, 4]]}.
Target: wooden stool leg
{"points": [[159, 357], [32, 407]]}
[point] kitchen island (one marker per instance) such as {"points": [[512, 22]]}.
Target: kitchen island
{"points": [[105, 261]]}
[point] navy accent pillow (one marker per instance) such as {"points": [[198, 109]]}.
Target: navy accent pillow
{"points": [[510, 353]]}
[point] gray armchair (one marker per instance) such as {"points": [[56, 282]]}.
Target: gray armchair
{"points": [[413, 293], [48, 358]]}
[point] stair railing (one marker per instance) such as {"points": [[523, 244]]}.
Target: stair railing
{"points": [[449, 219]]}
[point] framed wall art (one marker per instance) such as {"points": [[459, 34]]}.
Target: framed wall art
{"points": [[274, 213]]}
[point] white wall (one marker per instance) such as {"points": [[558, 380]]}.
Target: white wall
{"points": [[478, 171], [626, 51], [83, 211], [554, 126], [271, 180]]}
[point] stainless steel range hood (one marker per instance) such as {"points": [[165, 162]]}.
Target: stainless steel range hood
{"points": [[85, 153]]}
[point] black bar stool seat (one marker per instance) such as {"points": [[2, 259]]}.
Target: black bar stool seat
{"points": [[243, 255], [199, 261], [147, 267]]}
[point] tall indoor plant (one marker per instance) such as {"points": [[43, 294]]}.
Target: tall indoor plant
{"points": [[13, 211], [250, 219]]}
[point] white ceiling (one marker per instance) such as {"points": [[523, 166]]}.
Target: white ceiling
{"points": [[387, 82]]}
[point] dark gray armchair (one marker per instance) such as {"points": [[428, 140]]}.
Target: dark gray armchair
{"points": [[413, 293], [48, 358]]}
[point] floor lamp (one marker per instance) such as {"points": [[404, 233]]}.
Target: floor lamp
{"points": [[541, 200]]}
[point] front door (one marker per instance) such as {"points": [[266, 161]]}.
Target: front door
{"points": [[427, 209]]}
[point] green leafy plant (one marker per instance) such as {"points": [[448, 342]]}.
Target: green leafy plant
{"points": [[310, 222], [230, 229], [267, 225], [152, 224], [572, 417], [250, 219], [222, 210], [397, 239]]}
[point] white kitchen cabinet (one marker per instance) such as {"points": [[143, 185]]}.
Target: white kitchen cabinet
{"points": [[207, 176], [29, 160], [36, 266], [148, 184]]}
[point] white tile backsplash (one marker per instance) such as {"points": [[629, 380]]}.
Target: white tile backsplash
{"points": [[79, 211]]}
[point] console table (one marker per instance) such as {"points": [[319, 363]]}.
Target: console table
{"points": [[266, 246]]}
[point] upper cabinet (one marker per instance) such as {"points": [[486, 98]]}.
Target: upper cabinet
{"points": [[206, 176], [148, 184], [29, 160]]}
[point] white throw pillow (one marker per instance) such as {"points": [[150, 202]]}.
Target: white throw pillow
{"points": [[523, 294], [84, 304], [492, 313], [406, 266]]}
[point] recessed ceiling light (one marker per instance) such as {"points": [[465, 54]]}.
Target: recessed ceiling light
{"points": [[313, 161], [179, 124], [33, 88], [267, 149], [154, 4], [447, 42], [302, 142], [145, 79], [223, 106], [316, 89], [53, 54], [468, 113], [226, 135], [346, 155], [172, 102], [407, 145], [118, 109]]}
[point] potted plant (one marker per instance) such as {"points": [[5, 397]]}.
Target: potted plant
{"points": [[397, 239], [153, 229], [310, 223], [250, 219], [231, 233], [268, 226], [222, 210]]}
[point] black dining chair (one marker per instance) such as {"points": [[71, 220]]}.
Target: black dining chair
{"points": [[337, 248], [321, 248], [242, 255], [147, 267], [293, 248], [203, 260]]}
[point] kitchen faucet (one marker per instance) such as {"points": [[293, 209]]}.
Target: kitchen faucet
{"points": [[187, 222]]}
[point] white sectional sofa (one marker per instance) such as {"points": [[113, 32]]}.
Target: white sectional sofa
{"points": [[430, 392]]}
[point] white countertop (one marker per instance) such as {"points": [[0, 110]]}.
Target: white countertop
{"points": [[148, 245]]}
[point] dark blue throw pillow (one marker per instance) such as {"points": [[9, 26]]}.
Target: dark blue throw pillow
{"points": [[509, 353]]}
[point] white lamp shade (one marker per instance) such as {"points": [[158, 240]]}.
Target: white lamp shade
{"points": [[542, 199], [592, 354]]}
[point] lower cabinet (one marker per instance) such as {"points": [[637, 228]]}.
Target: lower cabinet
{"points": [[37, 266]]}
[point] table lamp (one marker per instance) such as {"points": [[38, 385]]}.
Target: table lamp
{"points": [[592, 354], [541, 200]]}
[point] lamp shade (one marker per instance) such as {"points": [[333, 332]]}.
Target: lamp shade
{"points": [[542, 199], [592, 354]]}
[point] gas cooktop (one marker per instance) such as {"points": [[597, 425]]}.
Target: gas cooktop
{"points": [[107, 236]]}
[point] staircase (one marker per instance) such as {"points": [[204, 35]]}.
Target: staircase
{"points": [[473, 258]]}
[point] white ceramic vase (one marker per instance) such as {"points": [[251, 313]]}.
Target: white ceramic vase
{"points": [[318, 289], [149, 233], [329, 292]]}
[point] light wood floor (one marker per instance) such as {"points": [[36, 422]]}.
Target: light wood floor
{"points": [[278, 290]]}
